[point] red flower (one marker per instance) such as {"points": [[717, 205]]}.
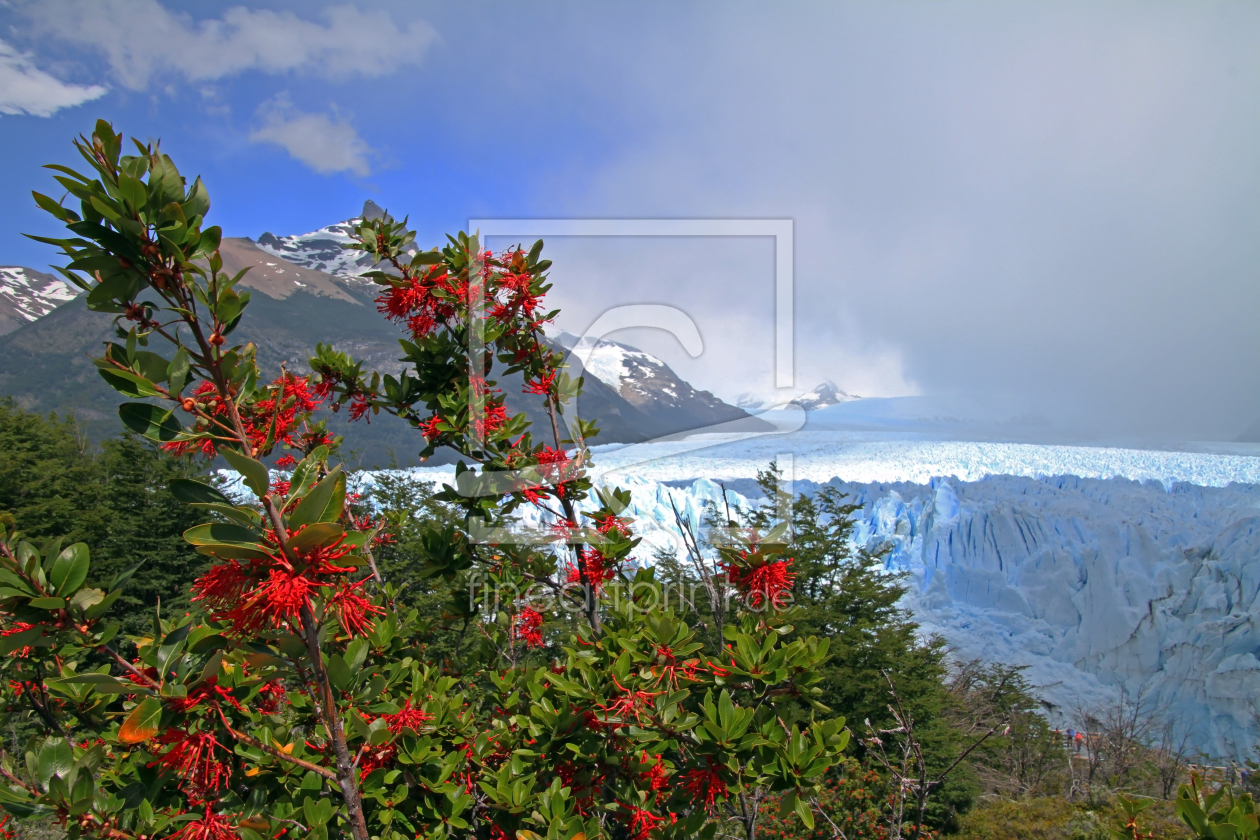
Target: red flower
{"points": [[765, 582], [597, 567], [267, 421], [353, 610], [657, 777], [705, 784], [267, 701], [407, 718], [208, 692], [643, 823], [279, 600], [210, 827], [360, 404], [429, 428], [609, 523], [542, 385], [192, 756], [529, 627], [629, 704], [222, 586], [377, 758]]}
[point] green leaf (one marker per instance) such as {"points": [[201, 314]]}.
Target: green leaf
{"points": [[192, 492], [142, 723], [210, 239], [151, 421], [70, 569], [134, 191], [126, 382], [198, 201], [338, 672], [177, 371], [229, 307], [48, 603], [323, 503], [85, 598], [805, 813], [319, 534], [122, 577], [103, 683], [56, 759], [255, 474], [214, 533], [17, 641], [233, 551], [788, 805]]}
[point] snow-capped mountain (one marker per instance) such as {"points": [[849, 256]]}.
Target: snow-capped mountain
{"points": [[322, 249], [650, 385], [27, 294], [823, 395]]}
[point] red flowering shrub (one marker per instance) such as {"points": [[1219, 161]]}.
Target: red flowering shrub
{"points": [[855, 802], [297, 701]]}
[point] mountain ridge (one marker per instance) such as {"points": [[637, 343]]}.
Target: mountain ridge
{"points": [[45, 359]]}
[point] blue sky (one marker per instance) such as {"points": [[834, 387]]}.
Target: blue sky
{"points": [[1056, 202]]}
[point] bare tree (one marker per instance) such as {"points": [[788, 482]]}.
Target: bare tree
{"points": [[913, 784]]}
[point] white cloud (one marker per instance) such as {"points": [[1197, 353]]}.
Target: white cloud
{"points": [[142, 40], [25, 89], [319, 141]]}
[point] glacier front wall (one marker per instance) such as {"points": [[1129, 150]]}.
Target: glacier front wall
{"points": [[1103, 587]]}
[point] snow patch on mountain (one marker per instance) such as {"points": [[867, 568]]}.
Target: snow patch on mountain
{"points": [[823, 395], [617, 365], [322, 249], [26, 294]]}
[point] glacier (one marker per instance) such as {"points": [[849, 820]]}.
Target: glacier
{"points": [[1107, 572]]}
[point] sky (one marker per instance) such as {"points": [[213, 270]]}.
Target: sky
{"points": [[1057, 204]]}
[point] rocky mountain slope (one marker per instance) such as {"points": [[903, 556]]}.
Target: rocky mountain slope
{"points": [[651, 386], [27, 294], [44, 362]]}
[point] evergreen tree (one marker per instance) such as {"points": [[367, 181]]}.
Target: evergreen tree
{"points": [[54, 485]]}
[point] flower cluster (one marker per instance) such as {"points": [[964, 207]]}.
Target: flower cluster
{"points": [[529, 627], [194, 757], [597, 568], [276, 418], [272, 593], [762, 581]]}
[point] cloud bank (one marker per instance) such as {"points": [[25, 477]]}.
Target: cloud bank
{"points": [[1053, 201], [321, 142], [25, 89], [143, 41]]}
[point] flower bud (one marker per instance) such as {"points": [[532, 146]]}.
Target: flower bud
{"points": [[217, 340], [189, 404]]}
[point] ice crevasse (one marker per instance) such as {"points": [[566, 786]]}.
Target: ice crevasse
{"points": [[1102, 587]]}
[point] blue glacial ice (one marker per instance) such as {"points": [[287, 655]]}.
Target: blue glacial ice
{"points": [[1106, 571]]}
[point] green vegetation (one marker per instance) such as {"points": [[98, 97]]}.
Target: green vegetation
{"points": [[54, 484]]}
